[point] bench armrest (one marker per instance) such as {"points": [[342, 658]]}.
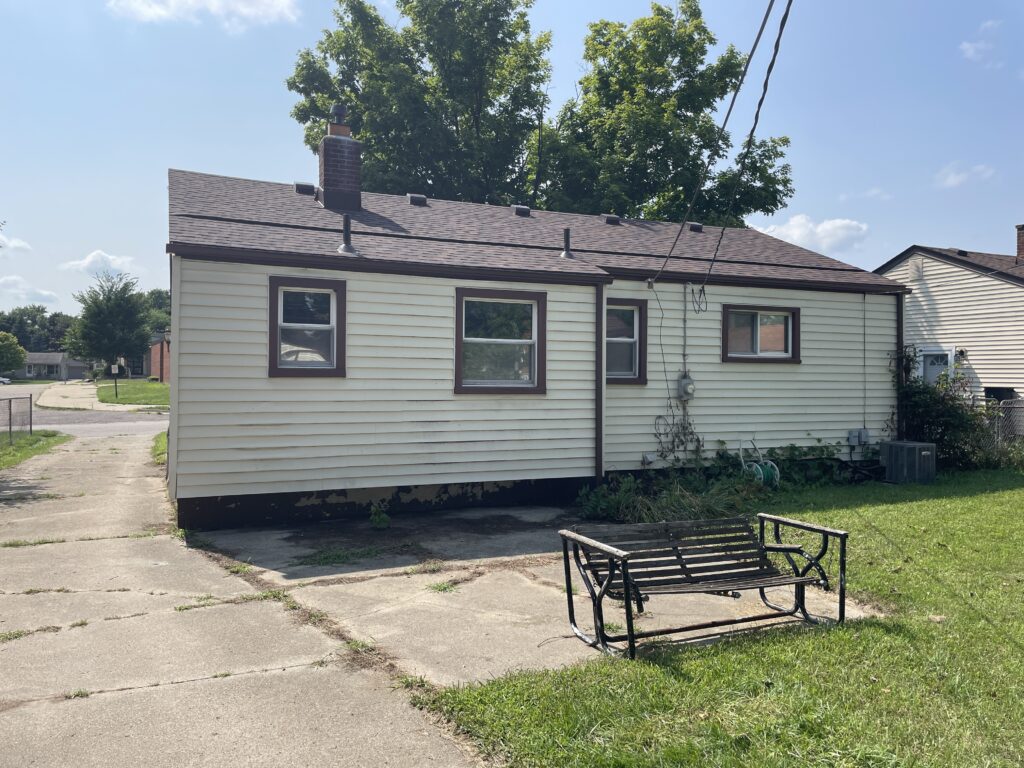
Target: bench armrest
{"points": [[576, 538], [803, 526]]}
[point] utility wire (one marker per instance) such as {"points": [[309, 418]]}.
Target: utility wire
{"points": [[700, 299], [713, 153]]}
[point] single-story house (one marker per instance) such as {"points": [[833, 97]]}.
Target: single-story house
{"points": [[334, 346], [966, 310], [158, 358], [51, 365]]}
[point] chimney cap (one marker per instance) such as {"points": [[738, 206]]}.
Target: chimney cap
{"points": [[338, 113]]}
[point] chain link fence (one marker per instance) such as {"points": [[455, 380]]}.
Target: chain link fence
{"points": [[15, 417], [1005, 422]]}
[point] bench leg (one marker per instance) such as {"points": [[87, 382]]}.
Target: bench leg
{"points": [[600, 639], [627, 599]]}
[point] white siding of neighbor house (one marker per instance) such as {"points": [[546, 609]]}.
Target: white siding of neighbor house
{"points": [[394, 419], [844, 381], [952, 307]]}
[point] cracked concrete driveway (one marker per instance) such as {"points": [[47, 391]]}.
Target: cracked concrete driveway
{"points": [[120, 646]]}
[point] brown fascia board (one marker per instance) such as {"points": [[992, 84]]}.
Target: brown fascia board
{"points": [[760, 282], [321, 261], [924, 250]]}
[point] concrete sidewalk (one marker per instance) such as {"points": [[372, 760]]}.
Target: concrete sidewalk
{"points": [[81, 395], [120, 646]]}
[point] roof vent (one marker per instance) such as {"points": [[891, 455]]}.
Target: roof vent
{"points": [[695, 227], [346, 248], [521, 210], [611, 218], [961, 252], [304, 188], [566, 249], [415, 199]]}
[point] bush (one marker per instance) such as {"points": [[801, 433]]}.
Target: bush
{"points": [[154, 379], [943, 414], [677, 495]]}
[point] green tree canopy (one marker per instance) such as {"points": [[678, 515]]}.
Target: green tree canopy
{"points": [[443, 105], [28, 324], [113, 320], [12, 354], [635, 139], [158, 310]]}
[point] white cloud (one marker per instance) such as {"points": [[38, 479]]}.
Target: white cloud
{"points": [[977, 50], [9, 244], [989, 25], [953, 175], [823, 236], [234, 15], [98, 261], [16, 291]]}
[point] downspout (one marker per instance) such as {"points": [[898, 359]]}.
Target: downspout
{"points": [[900, 372], [599, 382]]}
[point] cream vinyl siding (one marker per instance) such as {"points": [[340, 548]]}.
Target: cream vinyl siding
{"points": [[844, 381], [394, 419], [952, 307]]}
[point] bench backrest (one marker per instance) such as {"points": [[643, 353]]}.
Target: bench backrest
{"points": [[681, 552]]}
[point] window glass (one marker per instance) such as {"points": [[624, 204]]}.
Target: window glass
{"points": [[306, 307], [742, 327], [774, 334], [499, 343], [306, 347], [621, 359], [498, 320], [621, 323]]}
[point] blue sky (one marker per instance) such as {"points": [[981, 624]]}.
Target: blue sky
{"points": [[905, 118]]}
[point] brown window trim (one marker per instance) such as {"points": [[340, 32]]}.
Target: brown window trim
{"points": [[540, 388], [794, 356], [641, 366], [338, 286]]}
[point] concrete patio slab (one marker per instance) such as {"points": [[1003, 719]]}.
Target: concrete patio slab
{"points": [[493, 624], [152, 564], [62, 608], [332, 716], [158, 648], [103, 491]]}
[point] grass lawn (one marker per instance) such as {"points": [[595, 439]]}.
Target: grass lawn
{"points": [[26, 446], [159, 448], [938, 682], [135, 392]]}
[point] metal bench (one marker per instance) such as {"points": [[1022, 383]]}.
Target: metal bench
{"points": [[721, 557]]}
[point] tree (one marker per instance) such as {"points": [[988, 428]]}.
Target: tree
{"points": [[635, 139], [158, 312], [444, 105], [113, 320], [12, 354], [28, 324], [57, 324]]}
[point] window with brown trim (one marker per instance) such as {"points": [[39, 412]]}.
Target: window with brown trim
{"points": [[626, 341], [500, 341], [307, 327], [754, 334]]}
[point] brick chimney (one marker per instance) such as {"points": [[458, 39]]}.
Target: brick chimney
{"points": [[1020, 244], [340, 165]]}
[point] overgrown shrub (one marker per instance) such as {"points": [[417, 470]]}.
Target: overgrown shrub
{"points": [[943, 414]]}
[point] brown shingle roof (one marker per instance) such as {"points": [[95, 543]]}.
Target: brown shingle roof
{"points": [[218, 212]]}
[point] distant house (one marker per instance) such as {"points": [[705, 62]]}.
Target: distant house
{"points": [[966, 310], [51, 365], [159, 357], [439, 352]]}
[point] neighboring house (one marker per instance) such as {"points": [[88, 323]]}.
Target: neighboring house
{"points": [[159, 357], [51, 365], [966, 310], [443, 351]]}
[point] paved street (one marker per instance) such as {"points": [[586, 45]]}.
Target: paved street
{"points": [[119, 646]]}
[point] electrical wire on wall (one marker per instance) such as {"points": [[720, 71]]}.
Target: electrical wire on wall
{"points": [[675, 430]]}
